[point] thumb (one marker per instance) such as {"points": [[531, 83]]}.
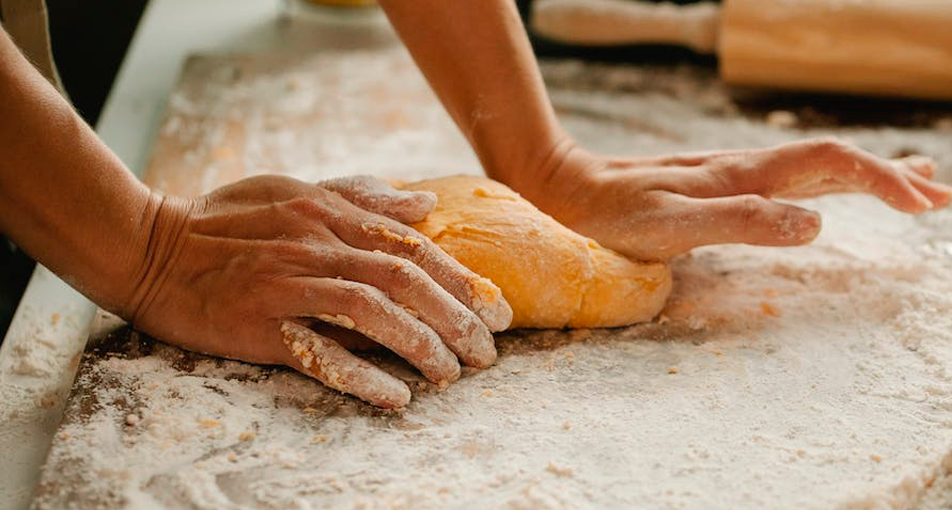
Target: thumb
{"points": [[378, 197], [748, 219]]}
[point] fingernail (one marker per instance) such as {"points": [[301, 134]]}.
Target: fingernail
{"points": [[807, 225]]}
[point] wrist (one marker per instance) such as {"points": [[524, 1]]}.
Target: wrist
{"points": [[519, 154], [155, 252], [558, 180]]}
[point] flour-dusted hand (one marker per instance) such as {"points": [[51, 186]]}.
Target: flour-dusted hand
{"points": [[229, 274], [657, 208]]}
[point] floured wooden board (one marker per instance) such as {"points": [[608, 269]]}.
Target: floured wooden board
{"points": [[811, 378]]}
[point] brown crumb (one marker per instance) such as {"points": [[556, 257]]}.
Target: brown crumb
{"points": [[309, 410], [876, 458], [769, 309], [487, 393], [319, 438], [246, 436], [566, 426], [672, 370], [207, 424], [54, 319], [132, 420]]}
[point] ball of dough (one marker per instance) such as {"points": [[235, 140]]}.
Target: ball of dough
{"points": [[551, 276]]}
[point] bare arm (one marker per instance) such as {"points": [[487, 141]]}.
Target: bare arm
{"points": [[228, 272], [65, 198], [477, 58]]}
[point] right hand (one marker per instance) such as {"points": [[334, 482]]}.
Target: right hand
{"points": [[237, 273]]}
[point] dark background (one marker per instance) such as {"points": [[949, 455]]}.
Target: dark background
{"points": [[89, 41]]}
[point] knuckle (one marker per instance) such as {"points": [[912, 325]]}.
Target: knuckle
{"points": [[831, 145], [750, 210], [285, 249], [401, 276], [320, 208], [358, 295], [402, 271]]}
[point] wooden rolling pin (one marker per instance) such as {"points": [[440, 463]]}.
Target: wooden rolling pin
{"points": [[877, 47]]}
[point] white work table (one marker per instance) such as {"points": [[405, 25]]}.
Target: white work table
{"points": [[807, 378], [169, 31]]}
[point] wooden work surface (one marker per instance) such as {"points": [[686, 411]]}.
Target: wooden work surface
{"points": [[531, 430]]}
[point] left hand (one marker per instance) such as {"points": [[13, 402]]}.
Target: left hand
{"points": [[658, 208]]}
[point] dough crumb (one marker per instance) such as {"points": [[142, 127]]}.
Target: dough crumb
{"points": [[487, 393], [782, 119], [132, 420], [386, 233], [672, 370], [338, 320], [876, 458], [560, 472], [769, 309], [246, 436], [566, 426], [319, 438], [470, 449], [208, 424]]}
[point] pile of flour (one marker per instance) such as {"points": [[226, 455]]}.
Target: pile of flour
{"points": [[808, 378]]}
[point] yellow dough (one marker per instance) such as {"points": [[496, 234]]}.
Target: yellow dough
{"points": [[551, 276]]}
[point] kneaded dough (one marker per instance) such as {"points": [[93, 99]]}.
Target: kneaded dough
{"points": [[551, 276]]}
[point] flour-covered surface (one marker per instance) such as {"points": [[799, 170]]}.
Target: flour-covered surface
{"points": [[808, 378]]}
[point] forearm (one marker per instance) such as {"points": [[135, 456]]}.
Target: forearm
{"points": [[477, 58], [65, 198]]}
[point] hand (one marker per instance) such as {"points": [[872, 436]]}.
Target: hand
{"points": [[228, 272], [658, 208]]}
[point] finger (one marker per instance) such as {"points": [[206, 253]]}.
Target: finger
{"points": [[379, 197], [748, 219], [939, 194], [922, 165], [409, 286], [328, 362], [887, 182], [371, 232], [370, 312], [818, 167]]}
